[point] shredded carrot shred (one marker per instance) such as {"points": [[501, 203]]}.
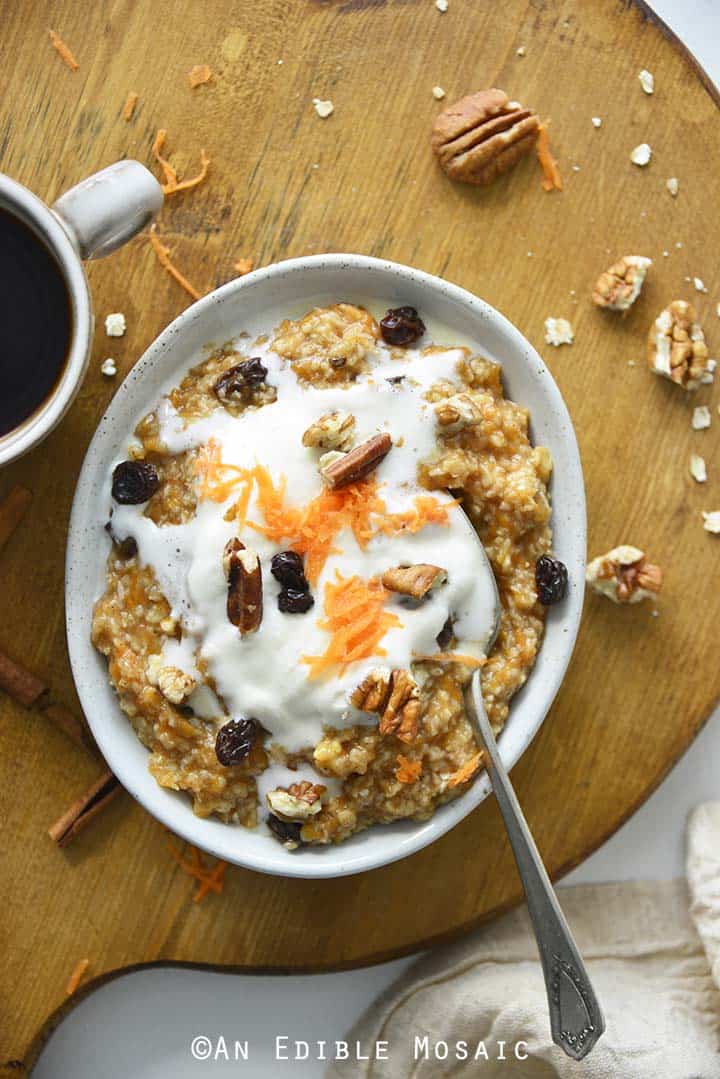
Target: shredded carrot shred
{"points": [[129, 107], [172, 185], [309, 530], [63, 51], [356, 620], [467, 771], [243, 266], [209, 880], [163, 254], [407, 771], [552, 179], [449, 657], [77, 976], [199, 75]]}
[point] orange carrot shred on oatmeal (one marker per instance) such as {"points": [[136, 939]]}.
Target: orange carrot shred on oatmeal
{"points": [[243, 266], [163, 254], [209, 880], [466, 772], [63, 51], [552, 179], [199, 75], [129, 107], [76, 977], [426, 511], [172, 185], [407, 771], [356, 619]]}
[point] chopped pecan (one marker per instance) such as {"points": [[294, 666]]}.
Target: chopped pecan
{"points": [[332, 431], [619, 286], [395, 697], [676, 346], [298, 802], [357, 464], [483, 135], [624, 575], [244, 578], [415, 580], [456, 413]]}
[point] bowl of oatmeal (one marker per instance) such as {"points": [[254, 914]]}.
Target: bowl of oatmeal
{"points": [[275, 593]]}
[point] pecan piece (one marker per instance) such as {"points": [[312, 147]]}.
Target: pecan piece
{"points": [[357, 464], [483, 135], [298, 802], [395, 697], [332, 431], [676, 346], [618, 287], [244, 577], [415, 581], [456, 413], [624, 575]]}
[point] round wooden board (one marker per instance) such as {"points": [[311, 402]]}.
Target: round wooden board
{"points": [[282, 183]]}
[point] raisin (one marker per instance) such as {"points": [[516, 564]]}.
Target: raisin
{"points": [[287, 568], [446, 634], [401, 326], [286, 831], [551, 577], [134, 482], [294, 601], [238, 382], [235, 740]]}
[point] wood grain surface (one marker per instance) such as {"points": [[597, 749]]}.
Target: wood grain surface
{"points": [[283, 183]]}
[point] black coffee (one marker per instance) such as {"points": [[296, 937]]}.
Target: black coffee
{"points": [[35, 322]]}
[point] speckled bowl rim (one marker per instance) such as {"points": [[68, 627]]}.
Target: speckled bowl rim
{"points": [[551, 423]]}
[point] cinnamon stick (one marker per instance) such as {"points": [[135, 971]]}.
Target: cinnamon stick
{"points": [[23, 686], [85, 809], [12, 510]]}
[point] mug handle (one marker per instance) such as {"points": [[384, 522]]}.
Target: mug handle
{"points": [[109, 208]]}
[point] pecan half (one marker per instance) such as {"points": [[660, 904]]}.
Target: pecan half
{"points": [[624, 575], [332, 431], [395, 697], [415, 580], [244, 578], [676, 346], [456, 413], [618, 288], [358, 463], [483, 135]]}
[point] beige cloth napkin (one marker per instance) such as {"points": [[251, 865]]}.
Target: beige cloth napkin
{"points": [[653, 953]]}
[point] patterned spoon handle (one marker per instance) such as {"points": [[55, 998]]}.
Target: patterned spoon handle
{"points": [[576, 1019]]}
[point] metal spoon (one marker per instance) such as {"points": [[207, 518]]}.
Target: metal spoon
{"points": [[576, 1019]]}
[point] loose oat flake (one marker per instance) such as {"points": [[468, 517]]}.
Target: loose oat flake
{"points": [[438, 93], [699, 284], [711, 522], [641, 155], [698, 469], [323, 108], [115, 325], [109, 367], [701, 418], [673, 185], [441, 5], [596, 121], [521, 51], [558, 331], [647, 81]]}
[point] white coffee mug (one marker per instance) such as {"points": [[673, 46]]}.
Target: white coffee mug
{"points": [[88, 221]]}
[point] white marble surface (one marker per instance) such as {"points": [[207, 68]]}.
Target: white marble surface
{"points": [[650, 845]]}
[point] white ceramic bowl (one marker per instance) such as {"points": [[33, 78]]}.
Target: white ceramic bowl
{"points": [[264, 297]]}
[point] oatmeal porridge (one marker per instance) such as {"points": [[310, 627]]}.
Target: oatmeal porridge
{"points": [[295, 600]]}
